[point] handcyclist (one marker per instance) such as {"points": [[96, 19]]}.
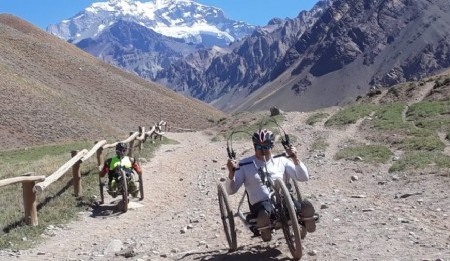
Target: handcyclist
{"points": [[258, 194], [120, 159]]}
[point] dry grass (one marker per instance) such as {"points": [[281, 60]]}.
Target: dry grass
{"points": [[52, 91]]}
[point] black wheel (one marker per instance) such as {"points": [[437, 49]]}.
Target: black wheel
{"points": [[227, 217], [101, 185], [141, 187], [289, 221], [124, 191], [294, 189]]}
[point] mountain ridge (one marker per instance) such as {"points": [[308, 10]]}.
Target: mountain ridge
{"points": [[356, 46], [327, 56], [183, 19]]}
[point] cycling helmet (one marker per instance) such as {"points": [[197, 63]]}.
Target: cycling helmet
{"points": [[263, 136], [121, 149]]}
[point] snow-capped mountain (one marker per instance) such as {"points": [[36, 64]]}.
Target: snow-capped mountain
{"points": [[183, 19]]}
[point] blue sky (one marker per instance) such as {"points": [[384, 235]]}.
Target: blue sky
{"points": [[258, 12]]}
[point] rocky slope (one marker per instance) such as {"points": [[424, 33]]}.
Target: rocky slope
{"points": [[355, 46]]}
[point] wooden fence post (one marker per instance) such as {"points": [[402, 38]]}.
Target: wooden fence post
{"points": [[100, 157], [29, 203], [76, 173], [29, 195], [141, 142], [131, 150]]}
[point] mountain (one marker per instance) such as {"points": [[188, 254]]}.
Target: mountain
{"points": [[136, 48], [328, 56], [226, 76], [206, 74], [355, 46], [147, 37], [337, 51], [52, 91], [189, 21]]}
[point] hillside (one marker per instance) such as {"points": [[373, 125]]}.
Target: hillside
{"points": [[356, 46], [52, 91], [368, 209]]}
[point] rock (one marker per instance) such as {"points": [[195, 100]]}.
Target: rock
{"points": [[274, 111], [354, 178], [114, 246], [312, 253]]}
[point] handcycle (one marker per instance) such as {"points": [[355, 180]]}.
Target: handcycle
{"points": [[284, 215], [122, 178], [282, 194]]}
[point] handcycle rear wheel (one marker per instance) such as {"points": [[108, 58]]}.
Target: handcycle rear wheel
{"points": [[227, 217], [124, 191], [296, 190], [101, 185], [289, 221]]}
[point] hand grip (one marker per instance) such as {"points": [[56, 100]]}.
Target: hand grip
{"points": [[231, 153], [286, 142]]}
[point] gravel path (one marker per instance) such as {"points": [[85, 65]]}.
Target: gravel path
{"points": [[366, 213]]}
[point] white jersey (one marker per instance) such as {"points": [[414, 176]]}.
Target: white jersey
{"points": [[248, 175]]}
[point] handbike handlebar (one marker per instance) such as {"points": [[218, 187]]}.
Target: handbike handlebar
{"points": [[251, 162]]}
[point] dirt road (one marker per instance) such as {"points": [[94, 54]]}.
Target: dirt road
{"points": [[366, 212]]}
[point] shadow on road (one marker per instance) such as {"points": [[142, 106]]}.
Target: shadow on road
{"points": [[105, 210], [253, 253]]}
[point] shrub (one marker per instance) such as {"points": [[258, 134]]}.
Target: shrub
{"points": [[369, 153], [389, 117], [350, 114], [317, 117], [420, 160], [319, 144]]}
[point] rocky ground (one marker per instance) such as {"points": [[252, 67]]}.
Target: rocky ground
{"points": [[366, 212]]}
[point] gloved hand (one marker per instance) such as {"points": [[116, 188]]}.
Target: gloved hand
{"points": [[137, 168], [231, 165], [291, 151]]}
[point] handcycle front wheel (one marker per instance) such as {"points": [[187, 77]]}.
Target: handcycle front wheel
{"points": [[227, 217], [289, 220], [124, 191]]}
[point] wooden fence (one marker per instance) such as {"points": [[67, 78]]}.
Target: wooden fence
{"points": [[36, 184]]}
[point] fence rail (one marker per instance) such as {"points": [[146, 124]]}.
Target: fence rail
{"points": [[36, 184]]}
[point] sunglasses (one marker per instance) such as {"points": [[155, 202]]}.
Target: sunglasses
{"points": [[262, 147]]}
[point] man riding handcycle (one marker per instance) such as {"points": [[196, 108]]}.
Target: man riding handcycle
{"points": [[266, 179]]}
